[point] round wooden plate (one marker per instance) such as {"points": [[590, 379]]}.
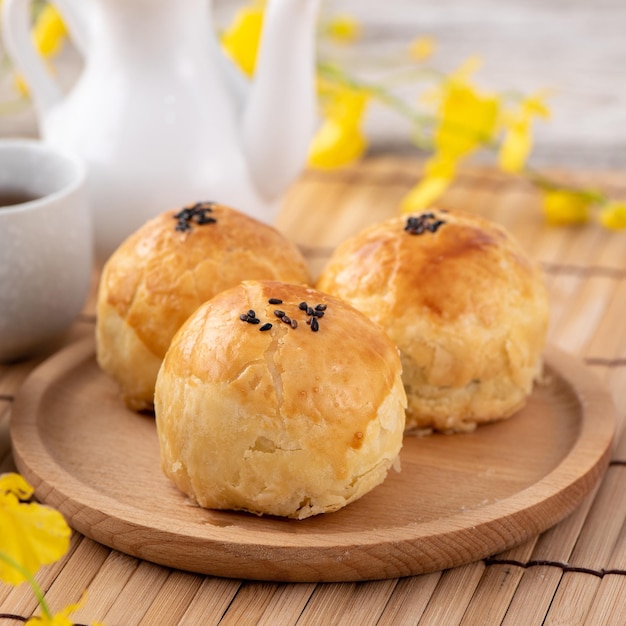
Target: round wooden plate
{"points": [[457, 499]]}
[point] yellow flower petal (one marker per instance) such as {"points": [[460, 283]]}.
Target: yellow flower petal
{"points": [[467, 120], [20, 85], [422, 48], [241, 40], [336, 145], [31, 535], [16, 485], [340, 140], [441, 166], [563, 207], [343, 29], [439, 174], [346, 105], [518, 140], [613, 215], [422, 196], [49, 31], [535, 105], [515, 148]]}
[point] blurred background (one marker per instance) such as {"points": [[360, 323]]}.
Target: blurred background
{"points": [[574, 48]]}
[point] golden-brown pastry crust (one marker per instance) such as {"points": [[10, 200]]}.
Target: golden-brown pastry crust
{"points": [[160, 275], [284, 421], [464, 304]]}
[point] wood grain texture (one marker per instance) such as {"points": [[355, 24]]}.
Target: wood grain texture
{"points": [[99, 464]]}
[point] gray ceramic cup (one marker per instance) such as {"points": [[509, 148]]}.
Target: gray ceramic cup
{"points": [[46, 248]]}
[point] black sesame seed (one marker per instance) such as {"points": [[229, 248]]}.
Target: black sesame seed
{"points": [[303, 306], [275, 301], [309, 321], [253, 320], [205, 219], [435, 226], [294, 324], [183, 214], [243, 317], [286, 319], [318, 313], [279, 313], [321, 307], [265, 326], [314, 325], [197, 212], [251, 313], [423, 223], [310, 311], [182, 226]]}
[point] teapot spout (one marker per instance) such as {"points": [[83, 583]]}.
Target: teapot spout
{"points": [[279, 116]]}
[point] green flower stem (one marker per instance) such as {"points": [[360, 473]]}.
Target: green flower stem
{"points": [[31, 581], [336, 74], [547, 184]]}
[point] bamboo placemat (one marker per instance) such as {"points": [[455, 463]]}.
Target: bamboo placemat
{"points": [[574, 573]]}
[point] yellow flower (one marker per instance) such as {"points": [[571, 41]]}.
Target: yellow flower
{"points": [[466, 118], [241, 40], [31, 535], [438, 175], [343, 29], [49, 31], [49, 34], [421, 48], [340, 140], [613, 215], [517, 142], [562, 207]]}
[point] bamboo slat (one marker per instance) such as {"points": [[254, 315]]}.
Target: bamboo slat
{"points": [[108, 583], [210, 601], [497, 586], [326, 604], [452, 595], [172, 600], [574, 573], [143, 587], [409, 600], [287, 604], [608, 605]]}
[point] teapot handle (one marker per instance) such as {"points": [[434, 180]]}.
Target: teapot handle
{"points": [[16, 27]]}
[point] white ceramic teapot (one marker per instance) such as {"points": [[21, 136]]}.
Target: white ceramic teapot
{"points": [[162, 118]]}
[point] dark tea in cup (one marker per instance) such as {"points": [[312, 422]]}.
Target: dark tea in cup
{"points": [[11, 197]]}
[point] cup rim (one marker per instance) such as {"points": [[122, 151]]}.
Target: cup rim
{"points": [[43, 146]]}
